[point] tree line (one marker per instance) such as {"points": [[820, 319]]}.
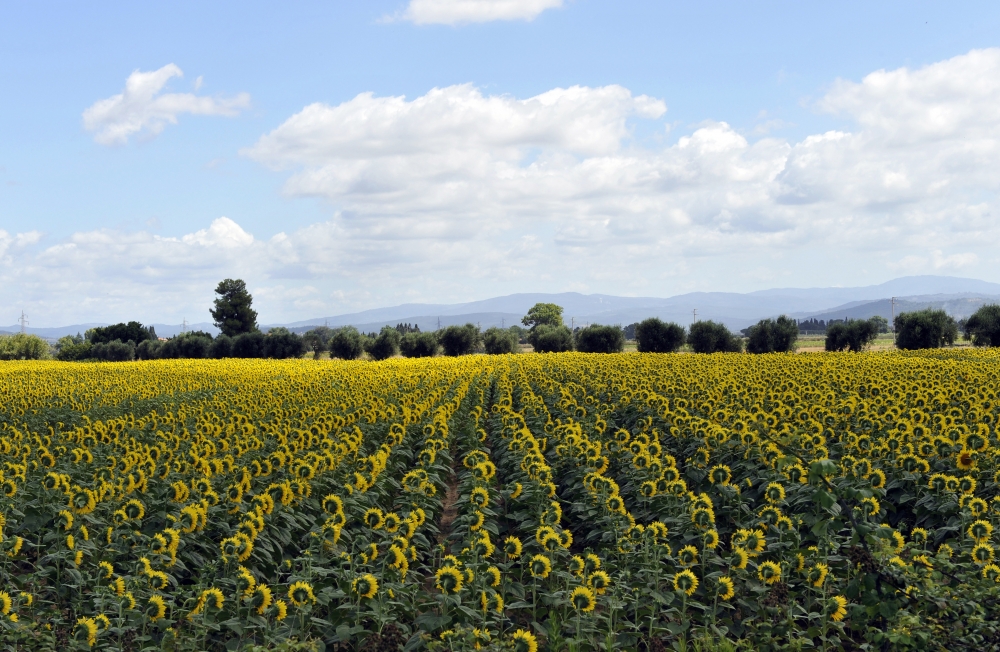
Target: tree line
{"points": [[240, 337]]}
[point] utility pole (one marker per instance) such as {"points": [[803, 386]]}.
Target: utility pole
{"points": [[184, 325], [439, 323], [694, 315], [572, 323], [24, 323]]}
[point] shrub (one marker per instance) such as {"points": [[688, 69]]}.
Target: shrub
{"points": [[418, 345], [221, 347], [852, 335], [75, 352], [550, 339], [710, 337], [773, 336], [600, 339], [346, 343], [983, 327], [22, 346], [498, 341], [147, 350], [114, 351], [248, 345], [655, 336], [925, 329], [133, 331], [385, 345], [280, 344], [459, 340]]}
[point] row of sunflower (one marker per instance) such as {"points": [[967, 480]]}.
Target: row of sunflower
{"points": [[563, 501]]}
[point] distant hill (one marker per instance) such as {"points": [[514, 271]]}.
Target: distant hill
{"points": [[958, 306], [959, 296]]}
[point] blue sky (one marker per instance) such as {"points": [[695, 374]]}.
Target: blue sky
{"points": [[670, 147]]}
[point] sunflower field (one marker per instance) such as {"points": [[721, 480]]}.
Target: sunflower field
{"points": [[520, 502]]}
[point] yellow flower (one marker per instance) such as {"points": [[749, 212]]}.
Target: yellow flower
{"points": [[301, 594], [281, 610], [838, 608], [86, 628], [449, 580], [726, 588], [261, 598], [583, 599], [769, 572], [540, 566], [156, 608], [512, 546], [686, 581], [599, 581], [687, 556], [818, 574], [365, 586], [5, 603], [524, 641]]}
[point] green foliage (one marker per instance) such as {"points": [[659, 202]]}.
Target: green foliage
{"points": [[281, 344], [497, 341], [385, 345], [852, 335], [418, 345], [543, 314], [925, 329], [600, 339], [186, 345], [133, 331], [316, 339], [248, 345], [983, 327], [710, 337], [459, 340], [22, 346], [550, 339], [773, 336], [113, 351], [347, 344], [232, 312], [222, 347], [656, 336]]}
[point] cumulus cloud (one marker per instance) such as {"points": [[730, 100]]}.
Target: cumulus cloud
{"points": [[142, 108], [454, 12], [458, 194]]}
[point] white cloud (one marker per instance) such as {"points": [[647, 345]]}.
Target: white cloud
{"points": [[458, 194], [142, 108], [454, 12]]}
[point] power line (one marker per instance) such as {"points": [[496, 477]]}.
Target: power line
{"points": [[24, 323], [694, 315]]}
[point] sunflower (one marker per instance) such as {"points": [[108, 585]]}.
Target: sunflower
{"points": [[726, 588], [494, 574], [769, 572], [583, 599], [687, 556], [540, 566], [245, 581], [817, 574], [991, 572], [512, 546], [261, 598], [965, 460], [280, 610], [599, 581], [711, 539], [5, 603], [524, 641], [774, 493], [740, 558], [301, 594], [86, 629], [373, 518], [982, 553], [449, 580], [980, 530], [686, 581], [156, 608], [837, 606]]}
